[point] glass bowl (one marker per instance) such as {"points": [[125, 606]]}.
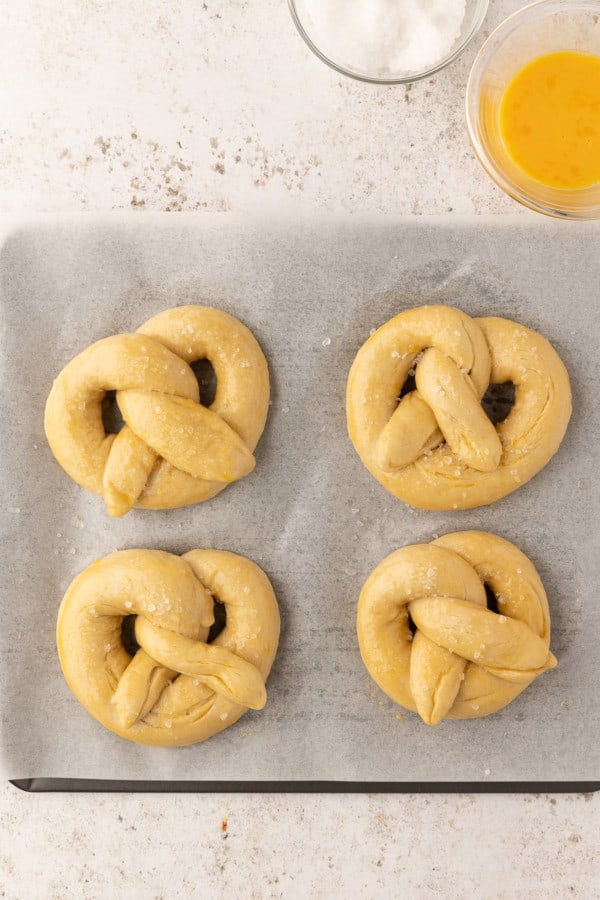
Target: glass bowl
{"points": [[545, 27], [332, 53]]}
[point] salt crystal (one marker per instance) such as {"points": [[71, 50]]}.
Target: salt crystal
{"points": [[326, 342], [502, 619], [372, 332], [476, 655], [395, 354], [246, 590], [486, 772], [93, 613], [151, 607], [168, 723], [128, 604], [475, 706], [196, 682], [223, 716], [190, 328]]}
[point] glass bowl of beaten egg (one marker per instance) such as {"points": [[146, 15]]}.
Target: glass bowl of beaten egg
{"points": [[387, 41], [533, 107]]}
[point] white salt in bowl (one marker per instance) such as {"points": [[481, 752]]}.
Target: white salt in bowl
{"points": [[384, 43]]}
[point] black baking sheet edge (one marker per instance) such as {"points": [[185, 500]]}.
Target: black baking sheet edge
{"points": [[86, 785]]}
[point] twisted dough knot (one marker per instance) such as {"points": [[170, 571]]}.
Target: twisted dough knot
{"points": [[172, 451], [177, 689], [435, 447], [464, 660]]}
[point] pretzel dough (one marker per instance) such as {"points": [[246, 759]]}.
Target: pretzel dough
{"points": [[464, 660], [436, 448], [172, 451], [177, 689]]}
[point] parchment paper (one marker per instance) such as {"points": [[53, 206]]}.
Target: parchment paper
{"points": [[310, 514]]}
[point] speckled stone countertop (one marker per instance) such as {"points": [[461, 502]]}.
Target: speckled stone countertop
{"points": [[218, 105]]}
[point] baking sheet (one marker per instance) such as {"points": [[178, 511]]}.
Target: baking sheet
{"points": [[309, 514]]}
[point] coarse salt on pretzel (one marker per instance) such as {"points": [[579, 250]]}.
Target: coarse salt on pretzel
{"points": [[435, 448], [172, 451], [176, 689], [464, 660]]}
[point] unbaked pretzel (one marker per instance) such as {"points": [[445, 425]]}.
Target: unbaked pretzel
{"points": [[464, 660], [172, 451], [435, 448], [176, 689]]}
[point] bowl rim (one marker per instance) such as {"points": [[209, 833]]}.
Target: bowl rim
{"points": [[485, 53], [480, 14]]}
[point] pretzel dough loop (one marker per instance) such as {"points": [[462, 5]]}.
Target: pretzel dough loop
{"points": [[176, 689], [435, 447], [464, 660], [171, 451]]}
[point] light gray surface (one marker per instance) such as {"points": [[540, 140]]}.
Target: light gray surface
{"points": [[77, 83], [219, 105], [310, 514], [298, 847]]}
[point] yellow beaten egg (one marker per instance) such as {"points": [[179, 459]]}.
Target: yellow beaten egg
{"points": [[550, 119]]}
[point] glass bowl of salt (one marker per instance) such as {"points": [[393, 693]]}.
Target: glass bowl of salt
{"points": [[388, 41]]}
